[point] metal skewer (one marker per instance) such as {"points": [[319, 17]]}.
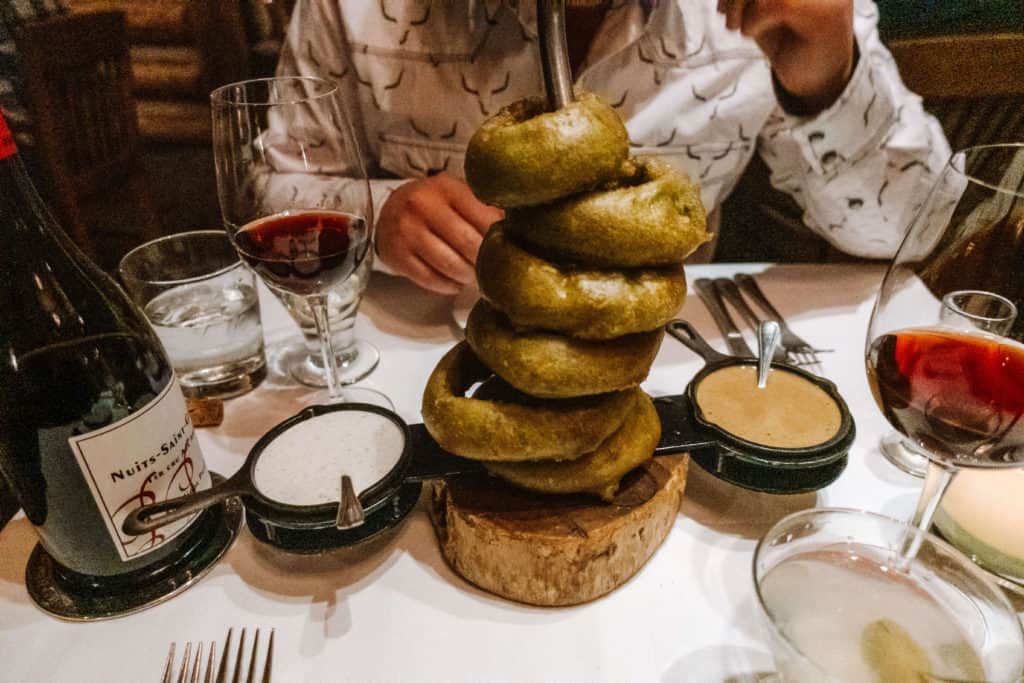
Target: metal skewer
{"points": [[554, 55]]}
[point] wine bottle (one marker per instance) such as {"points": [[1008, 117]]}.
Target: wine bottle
{"points": [[92, 419]]}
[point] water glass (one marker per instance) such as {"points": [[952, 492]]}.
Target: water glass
{"points": [[976, 309], [202, 302], [838, 607]]}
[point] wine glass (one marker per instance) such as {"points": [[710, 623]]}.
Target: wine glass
{"points": [[980, 310], [952, 387], [355, 357], [295, 196]]}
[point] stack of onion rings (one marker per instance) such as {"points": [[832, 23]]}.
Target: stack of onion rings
{"points": [[598, 472], [505, 430], [550, 365], [588, 304], [578, 282], [652, 216], [524, 156]]}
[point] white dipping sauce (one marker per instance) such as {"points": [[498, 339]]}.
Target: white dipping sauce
{"points": [[304, 464]]}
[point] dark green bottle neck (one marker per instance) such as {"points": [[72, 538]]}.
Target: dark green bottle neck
{"points": [[48, 287], [25, 216], [18, 196]]}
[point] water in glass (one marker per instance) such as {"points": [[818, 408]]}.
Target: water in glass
{"points": [[211, 330]]}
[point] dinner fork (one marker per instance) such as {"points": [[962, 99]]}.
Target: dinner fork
{"points": [[193, 671], [798, 351], [188, 664]]}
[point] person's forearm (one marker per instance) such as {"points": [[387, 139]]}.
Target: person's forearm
{"points": [[860, 168]]}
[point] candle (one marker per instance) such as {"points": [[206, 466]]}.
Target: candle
{"points": [[982, 514]]}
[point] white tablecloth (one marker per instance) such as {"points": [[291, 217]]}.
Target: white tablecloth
{"points": [[400, 614]]}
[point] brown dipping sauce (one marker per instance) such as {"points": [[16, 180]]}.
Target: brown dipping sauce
{"points": [[789, 412]]}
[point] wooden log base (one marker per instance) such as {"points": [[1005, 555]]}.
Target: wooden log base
{"points": [[555, 550]]}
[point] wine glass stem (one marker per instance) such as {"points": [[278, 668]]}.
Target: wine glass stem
{"points": [[936, 481], [318, 307]]}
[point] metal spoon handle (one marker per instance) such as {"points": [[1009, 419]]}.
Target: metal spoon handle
{"points": [[350, 510], [554, 55], [767, 340]]}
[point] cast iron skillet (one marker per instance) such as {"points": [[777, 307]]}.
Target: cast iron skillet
{"points": [[683, 430], [734, 459], [312, 517]]}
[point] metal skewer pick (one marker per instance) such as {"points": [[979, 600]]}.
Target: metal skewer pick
{"points": [[767, 339], [554, 55], [350, 510]]}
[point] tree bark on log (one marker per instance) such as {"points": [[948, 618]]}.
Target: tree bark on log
{"points": [[555, 550]]}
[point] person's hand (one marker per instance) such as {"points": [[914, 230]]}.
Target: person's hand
{"points": [[810, 45], [430, 231]]}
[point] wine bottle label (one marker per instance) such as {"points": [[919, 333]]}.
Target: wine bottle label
{"points": [[150, 456], [7, 146]]}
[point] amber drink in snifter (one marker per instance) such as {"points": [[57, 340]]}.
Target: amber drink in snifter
{"points": [[854, 596], [954, 387]]}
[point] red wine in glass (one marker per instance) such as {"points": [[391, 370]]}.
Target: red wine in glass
{"points": [[960, 394], [267, 133], [304, 252]]}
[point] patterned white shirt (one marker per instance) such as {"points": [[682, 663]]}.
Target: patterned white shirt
{"points": [[420, 76]]}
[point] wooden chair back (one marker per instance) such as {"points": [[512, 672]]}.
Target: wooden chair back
{"points": [[974, 84], [78, 83]]}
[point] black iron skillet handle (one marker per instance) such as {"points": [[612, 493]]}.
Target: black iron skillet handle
{"points": [[680, 433], [430, 461], [684, 332], [149, 517]]}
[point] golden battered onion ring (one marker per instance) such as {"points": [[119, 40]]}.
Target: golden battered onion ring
{"points": [[598, 472], [524, 155], [503, 430], [653, 216], [554, 366], [588, 304]]}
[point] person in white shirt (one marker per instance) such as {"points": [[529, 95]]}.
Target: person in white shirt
{"points": [[807, 85]]}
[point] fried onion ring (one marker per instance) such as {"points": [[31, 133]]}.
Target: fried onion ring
{"points": [[509, 431], [588, 304], [554, 366], [524, 155], [598, 472], [652, 216]]}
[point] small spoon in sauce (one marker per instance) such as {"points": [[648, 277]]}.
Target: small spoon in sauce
{"points": [[767, 340], [350, 510]]}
